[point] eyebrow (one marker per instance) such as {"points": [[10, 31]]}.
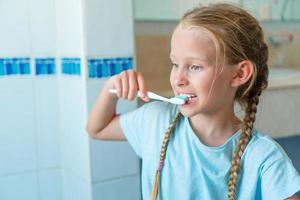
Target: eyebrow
{"points": [[193, 58]]}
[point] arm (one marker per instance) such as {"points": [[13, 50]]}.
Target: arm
{"points": [[103, 122]]}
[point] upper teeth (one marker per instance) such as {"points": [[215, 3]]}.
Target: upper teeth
{"points": [[188, 95]]}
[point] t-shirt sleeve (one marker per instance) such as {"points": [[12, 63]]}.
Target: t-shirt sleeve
{"points": [[133, 127], [279, 179]]}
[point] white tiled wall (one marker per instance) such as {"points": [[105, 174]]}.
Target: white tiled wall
{"points": [[45, 152], [19, 186], [112, 160], [75, 187], [74, 140], [49, 184], [109, 28], [29, 135], [14, 16], [42, 25], [69, 27], [124, 188], [47, 123], [18, 137], [114, 166]]}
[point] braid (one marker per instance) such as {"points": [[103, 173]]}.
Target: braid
{"points": [[163, 150], [243, 141]]}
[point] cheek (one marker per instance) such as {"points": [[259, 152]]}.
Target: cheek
{"points": [[203, 84], [217, 89], [171, 79]]}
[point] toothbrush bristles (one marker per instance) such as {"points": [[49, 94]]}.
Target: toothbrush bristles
{"points": [[185, 98]]}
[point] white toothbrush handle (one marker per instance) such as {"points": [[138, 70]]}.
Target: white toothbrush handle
{"points": [[151, 95], [115, 92]]}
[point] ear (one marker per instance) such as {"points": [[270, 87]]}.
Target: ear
{"points": [[242, 73]]}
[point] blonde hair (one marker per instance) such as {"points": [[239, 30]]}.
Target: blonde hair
{"points": [[237, 36]]}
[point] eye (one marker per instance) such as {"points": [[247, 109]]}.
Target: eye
{"points": [[195, 68]]}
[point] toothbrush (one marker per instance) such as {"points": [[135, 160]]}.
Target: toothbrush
{"points": [[181, 99]]}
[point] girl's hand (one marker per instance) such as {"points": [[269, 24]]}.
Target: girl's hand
{"points": [[127, 84]]}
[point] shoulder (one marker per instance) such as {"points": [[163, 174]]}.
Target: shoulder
{"points": [[265, 147], [266, 152], [278, 177]]}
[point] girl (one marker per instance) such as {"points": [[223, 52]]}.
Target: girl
{"points": [[219, 57]]}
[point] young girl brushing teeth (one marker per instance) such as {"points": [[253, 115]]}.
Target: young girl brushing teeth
{"points": [[202, 150]]}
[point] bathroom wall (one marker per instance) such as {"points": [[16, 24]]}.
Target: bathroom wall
{"points": [[54, 58], [75, 160], [110, 45], [29, 135]]}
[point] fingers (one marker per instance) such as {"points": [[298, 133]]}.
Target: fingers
{"points": [[142, 87], [133, 85], [128, 83], [125, 84]]}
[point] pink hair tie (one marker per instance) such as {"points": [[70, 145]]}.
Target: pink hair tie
{"points": [[160, 165]]}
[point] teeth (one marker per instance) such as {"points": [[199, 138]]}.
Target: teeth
{"points": [[188, 95]]}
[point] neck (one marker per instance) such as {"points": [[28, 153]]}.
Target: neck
{"points": [[215, 130]]}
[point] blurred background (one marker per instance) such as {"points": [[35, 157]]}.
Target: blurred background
{"points": [[55, 56]]}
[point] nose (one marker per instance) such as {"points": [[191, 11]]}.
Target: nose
{"points": [[180, 78]]}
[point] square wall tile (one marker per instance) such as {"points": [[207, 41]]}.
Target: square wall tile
{"points": [[47, 114], [73, 116], [69, 27], [110, 160], [50, 184], [43, 30], [15, 37], [125, 189], [100, 21], [19, 187], [75, 187], [18, 131]]}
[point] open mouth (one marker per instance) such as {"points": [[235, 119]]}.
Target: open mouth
{"points": [[189, 97]]}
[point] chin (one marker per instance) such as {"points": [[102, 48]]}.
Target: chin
{"points": [[188, 113]]}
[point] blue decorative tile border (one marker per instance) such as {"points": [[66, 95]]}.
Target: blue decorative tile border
{"points": [[97, 67], [44, 66], [13, 66], [106, 67], [70, 66]]}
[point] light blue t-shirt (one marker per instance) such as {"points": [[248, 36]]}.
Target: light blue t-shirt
{"points": [[195, 171]]}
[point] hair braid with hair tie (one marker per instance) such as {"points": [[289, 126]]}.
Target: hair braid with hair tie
{"points": [[156, 184], [242, 144]]}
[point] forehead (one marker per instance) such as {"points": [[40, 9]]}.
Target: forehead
{"points": [[192, 42]]}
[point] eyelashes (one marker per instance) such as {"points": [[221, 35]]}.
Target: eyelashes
{"points": [[192, 68], [195, 67]]}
